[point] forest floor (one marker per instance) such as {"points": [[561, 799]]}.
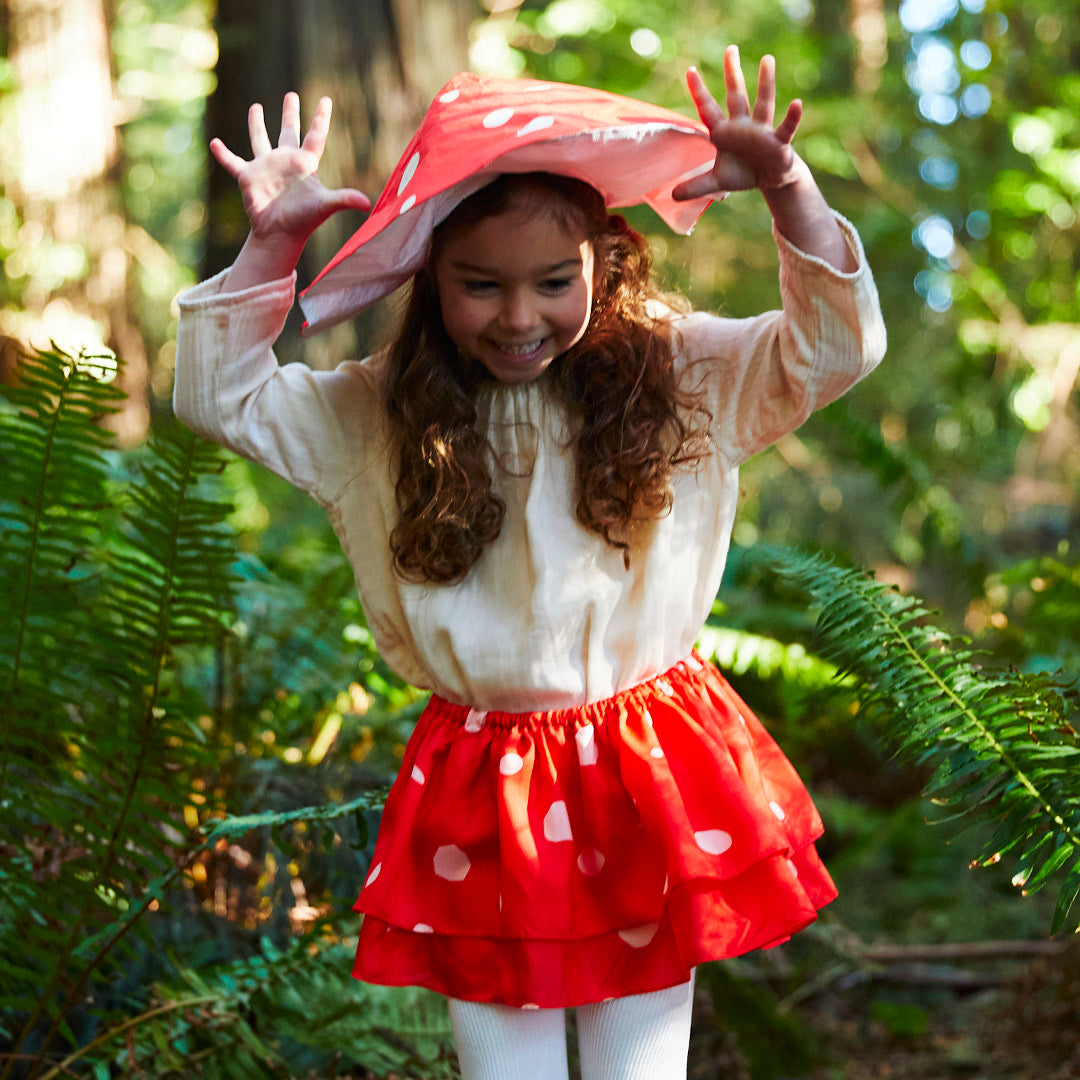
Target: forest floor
{"points": [[1026, 1027]]}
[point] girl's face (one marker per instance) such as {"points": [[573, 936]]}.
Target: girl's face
{"points": [[515, 290]]}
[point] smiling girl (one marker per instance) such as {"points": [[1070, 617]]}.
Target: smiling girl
{"points": [[536, 482]]}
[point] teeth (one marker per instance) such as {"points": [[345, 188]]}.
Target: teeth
{"points": [[522, 350]]}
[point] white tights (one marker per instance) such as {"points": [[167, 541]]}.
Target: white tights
{"points": [[640, 1037]]}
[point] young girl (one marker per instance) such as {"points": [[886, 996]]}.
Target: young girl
{"points": [[536, 484]]}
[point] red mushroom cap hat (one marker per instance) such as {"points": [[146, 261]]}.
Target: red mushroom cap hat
{"points": [[480, 126]]}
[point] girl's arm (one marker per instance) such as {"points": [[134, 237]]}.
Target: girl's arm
{"points": [[750, 153], [311, 427], [763, 376]]}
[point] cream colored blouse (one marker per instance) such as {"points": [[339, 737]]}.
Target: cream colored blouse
{"points": [[548, 617]]}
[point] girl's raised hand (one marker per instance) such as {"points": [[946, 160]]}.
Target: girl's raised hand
{"points": [[750, 153], [283, 196]]}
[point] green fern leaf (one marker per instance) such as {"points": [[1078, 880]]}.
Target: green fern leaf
{"points": [[1002, 742]]}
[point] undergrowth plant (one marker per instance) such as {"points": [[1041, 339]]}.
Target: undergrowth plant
{"points": [[109, 586], [1003, 744], [121, 667]]}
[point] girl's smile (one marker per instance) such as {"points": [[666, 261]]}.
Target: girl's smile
{"points": [[515, 290]]}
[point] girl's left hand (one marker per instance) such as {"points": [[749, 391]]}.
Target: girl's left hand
{"points": [[750, 153]]}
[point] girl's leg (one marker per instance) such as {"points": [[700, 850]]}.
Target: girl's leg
{"points": [[499, 1042], [640, 1037]]}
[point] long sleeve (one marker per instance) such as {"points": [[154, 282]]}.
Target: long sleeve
{"points": [[315, 428], [763, 376]]}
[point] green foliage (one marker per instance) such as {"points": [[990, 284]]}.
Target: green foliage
{"points": [[95, 753], [126, 606], [1001, 742], [740, 652], [281, 1011], [163, 54], [902, 1019], [1037, 603], [55, 480]]}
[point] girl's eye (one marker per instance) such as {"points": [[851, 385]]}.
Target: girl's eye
{"points": [[479, 288], [558, 284]]}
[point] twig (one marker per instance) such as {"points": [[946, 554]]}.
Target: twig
{"points": [[918, 965], [959, 950], [33, 1057], [134, 1021], [939, 975]]}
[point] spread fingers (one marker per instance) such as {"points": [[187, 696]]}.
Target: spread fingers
{"points": [[738, 103], [290, 121], [260, 141], [765, 105], [230, 162], [710, 112]]}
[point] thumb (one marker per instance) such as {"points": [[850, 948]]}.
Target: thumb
{"points": [[345, 199], [696, 187]]}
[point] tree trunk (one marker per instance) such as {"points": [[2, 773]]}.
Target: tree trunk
{"points": [[870, 33], [70, 274], [381, 61]]}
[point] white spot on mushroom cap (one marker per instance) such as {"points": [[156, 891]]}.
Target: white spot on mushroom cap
{"points": [[537, 123], [410, 171], [498, 117]]}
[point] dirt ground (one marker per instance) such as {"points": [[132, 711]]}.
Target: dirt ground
{"points": [[1027, 1027]]}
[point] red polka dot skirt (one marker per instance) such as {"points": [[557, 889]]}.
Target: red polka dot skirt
{"points": [[557, 858]]}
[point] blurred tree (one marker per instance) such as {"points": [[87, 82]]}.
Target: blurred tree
{"points": [[164, 52], [381, 61], [66, 257]]}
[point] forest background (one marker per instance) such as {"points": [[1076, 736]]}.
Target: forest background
{"points": [[196, 730]]}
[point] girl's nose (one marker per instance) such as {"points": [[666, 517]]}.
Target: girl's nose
{"points": [[518, 311]]}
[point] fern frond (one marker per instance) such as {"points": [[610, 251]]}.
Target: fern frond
{"points": [[54, 488], [296, 1007], [166, 583], [1002, 742]]}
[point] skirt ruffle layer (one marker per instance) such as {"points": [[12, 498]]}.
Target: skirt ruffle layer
{"points": [[560, 858]]}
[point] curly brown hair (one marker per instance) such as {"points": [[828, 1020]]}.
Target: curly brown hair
{"points": [[635, 425]]}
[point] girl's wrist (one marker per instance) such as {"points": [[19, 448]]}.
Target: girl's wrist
{"points": [[263, 259], [803, 217], [790, 198]]}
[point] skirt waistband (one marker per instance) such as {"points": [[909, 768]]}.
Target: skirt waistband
{"points": [[679, 677]]}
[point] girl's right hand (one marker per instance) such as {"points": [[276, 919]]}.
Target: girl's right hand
{"points": [[284, 198]]}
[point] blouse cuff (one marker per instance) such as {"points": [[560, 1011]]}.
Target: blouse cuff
{"points": [[806, 263], [210, 294]]}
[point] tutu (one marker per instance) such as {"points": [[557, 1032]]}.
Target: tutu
{"points": [[552, 859]]}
